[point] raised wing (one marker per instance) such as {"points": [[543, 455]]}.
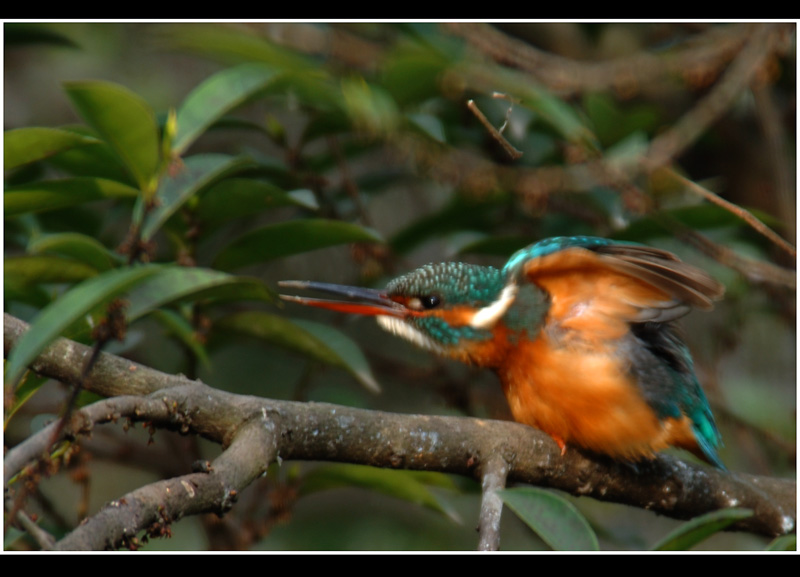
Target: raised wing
{"points": [[595, 278]]}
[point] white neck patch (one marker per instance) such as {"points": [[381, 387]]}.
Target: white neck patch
{"points": [[405, 330], [488, 316]]}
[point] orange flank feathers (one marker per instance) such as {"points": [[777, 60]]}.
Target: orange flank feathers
{"points": [[546, 386]]}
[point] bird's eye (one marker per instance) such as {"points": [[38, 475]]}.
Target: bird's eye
{"points": [[425, 302], [430, 301]]}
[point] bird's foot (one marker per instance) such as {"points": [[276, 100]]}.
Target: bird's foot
{"points": [[561, 444]]}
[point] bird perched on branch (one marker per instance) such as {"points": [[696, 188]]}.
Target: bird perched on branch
{"points": [[580, 331]]}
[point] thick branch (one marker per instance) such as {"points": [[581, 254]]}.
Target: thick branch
{"points": [[315, 431]]}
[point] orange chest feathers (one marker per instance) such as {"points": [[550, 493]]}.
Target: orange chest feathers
{"points": [[585, 397]]}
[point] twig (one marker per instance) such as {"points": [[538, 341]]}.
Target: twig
{"points": [[745, 215], [493, 478], [81, 422], [45, 540], [510, 150], [513, 101], [348, 183], [756, 271], [775, 137]]}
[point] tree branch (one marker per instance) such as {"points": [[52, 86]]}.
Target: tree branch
{"points": [[494, 475], [256, 431], [709, 51], [671, 143], [154, 507]]}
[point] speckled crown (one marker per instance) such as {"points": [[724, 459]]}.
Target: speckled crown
{"points": [[453, 282]]}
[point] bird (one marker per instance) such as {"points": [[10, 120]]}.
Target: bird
{"points": [[580, 330]]}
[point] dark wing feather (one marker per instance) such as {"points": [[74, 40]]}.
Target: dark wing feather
{"points": [[686, 283]]}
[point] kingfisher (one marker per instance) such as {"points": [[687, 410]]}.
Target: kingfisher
{"points": [[580, 330]]}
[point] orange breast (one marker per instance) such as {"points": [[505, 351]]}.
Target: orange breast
{"points": [[583, 396]]}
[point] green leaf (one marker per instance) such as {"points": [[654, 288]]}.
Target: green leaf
{"points": [[57, 194], [405, 485], [125, 121], [240, 197], [701, 528], [60, 314], [176, 283], [235, 43], [26, 145], [313, 340], [216, 96], [698, 217], [84, 219], [197, 172], [303, 197], [16, 34], [613, 122], [312, 86], [557, 113], [78, 246], [45, 269], [95, 160], [428, 125], [26, 389], [413, 72], [324, 124], [328, 159], [627, 152], [181, 329], [287, 238], [783, 543], [552, 517], [458, 215], [369, 107], [346, 350], [14, 290], [503, 246]]}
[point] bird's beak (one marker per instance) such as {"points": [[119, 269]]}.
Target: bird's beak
{"points": [[375, 302]]}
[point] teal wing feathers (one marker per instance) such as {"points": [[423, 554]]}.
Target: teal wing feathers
{"points": [[664, 369]]}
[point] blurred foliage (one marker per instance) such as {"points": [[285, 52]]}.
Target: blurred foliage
{"points": [[189, 167]]}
